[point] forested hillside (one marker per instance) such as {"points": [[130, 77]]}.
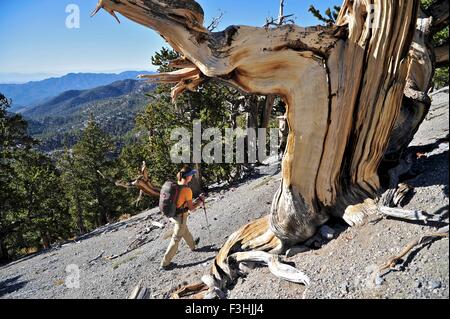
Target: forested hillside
{"points": [[27, 95], [113, 106], [59, 168]]}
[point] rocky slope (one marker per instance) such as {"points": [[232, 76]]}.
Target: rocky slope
{"points": [[338, 268]]}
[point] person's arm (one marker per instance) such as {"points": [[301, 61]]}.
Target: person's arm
{"points": [[194, 205]]}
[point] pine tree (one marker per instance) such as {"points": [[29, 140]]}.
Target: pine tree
{"points": [[43, 210], [92, 157], [330, 14], [32, 213], [214, 104], [72, 181], [14, 142]]}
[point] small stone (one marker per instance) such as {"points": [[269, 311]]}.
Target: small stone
{"points": [[379, 281], [371, 268], [418, 284], [344, 288], [434, 284], [357, 281], [327, 232]]}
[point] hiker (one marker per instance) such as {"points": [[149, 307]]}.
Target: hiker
{"points": [[184, 205]]}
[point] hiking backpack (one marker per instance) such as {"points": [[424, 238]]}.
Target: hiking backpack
{"points": [[168, 199]]}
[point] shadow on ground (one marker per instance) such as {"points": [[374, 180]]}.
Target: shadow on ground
{"points": [[10, 285]]}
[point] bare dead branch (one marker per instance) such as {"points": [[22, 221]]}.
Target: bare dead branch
{"points": [[391, 262], [215, 22]]}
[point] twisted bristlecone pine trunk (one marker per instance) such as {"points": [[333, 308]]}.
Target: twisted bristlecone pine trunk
{"points": [[355, 93]]}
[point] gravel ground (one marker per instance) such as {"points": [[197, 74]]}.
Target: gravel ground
{"points": [[339, 268]]}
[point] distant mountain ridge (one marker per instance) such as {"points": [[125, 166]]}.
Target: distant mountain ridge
{"points": [[113, 106], [70, 102], [28, 95], [21, 78]]}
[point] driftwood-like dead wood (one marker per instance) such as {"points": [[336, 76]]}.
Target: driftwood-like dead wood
{"points": [[392, 262], [196, 291], [141, 240], [354, 92], [280, 270], [412, 215], [442, 55], [142, 183], [97, 258], [139, 292]]}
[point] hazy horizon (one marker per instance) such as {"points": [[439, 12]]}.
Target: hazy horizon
{"points": [[22, 78]]}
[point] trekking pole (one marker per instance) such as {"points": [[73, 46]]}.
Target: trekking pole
{"points": [[207, 222]]}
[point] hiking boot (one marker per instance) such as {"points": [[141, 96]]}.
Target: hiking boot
{"points": [[170, 266], [196, 241]]}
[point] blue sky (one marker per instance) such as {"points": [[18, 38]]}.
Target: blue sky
{"points": [[34, 37]]}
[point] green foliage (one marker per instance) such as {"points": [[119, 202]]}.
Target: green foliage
{"points": [[87, 173], [441, 77], [38, 189], [440, 37], [211, 104], [330, 17], [114, 115], [427, 3], [42, 202], [31, 214]]}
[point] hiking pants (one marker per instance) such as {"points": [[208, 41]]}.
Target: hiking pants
{"points": [[180, 231]]}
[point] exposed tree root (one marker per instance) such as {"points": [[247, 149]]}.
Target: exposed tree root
{"points": [[413, 215], [280, 270], [261, 243], [356, 214], [394, 196], [199, 291]]}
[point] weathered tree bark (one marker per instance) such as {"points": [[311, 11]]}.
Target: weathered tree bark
{"points": [[252, 112], [270, 100], [80, 219], [4, 256], [441, 53], [283, 134], [102, 215], [46, 240], [439, 10], [197, 183], [355, 92], [252, 116]]}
